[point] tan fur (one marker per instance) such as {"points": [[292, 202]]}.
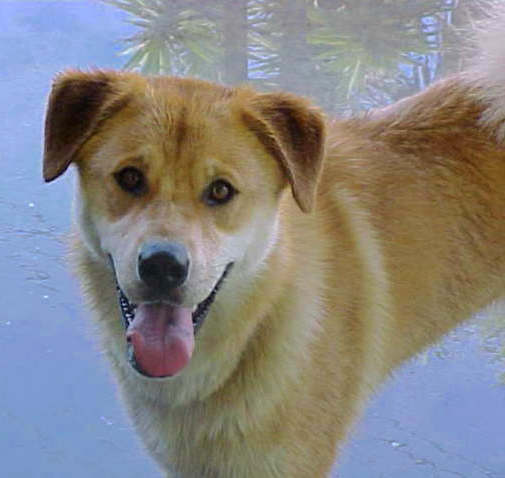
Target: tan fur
{"points": [[404, 240]]}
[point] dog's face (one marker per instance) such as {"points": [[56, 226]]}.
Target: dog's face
{"points": [[179, 188]]}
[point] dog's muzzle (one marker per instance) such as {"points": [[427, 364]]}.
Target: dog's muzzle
{"points": [[159, 335]]}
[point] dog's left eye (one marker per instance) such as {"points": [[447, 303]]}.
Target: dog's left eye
{"points": [[219, 192], [131, 180]]}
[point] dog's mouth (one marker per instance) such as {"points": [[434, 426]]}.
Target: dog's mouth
{"points": [[159, 335]]}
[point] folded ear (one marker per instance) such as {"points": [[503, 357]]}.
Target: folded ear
{"points": [[79, 102], [293, 132]]}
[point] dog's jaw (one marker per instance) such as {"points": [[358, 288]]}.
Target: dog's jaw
{"points": [[128, 314]]}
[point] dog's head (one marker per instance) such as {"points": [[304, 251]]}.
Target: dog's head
{"points": [[179, 186]]}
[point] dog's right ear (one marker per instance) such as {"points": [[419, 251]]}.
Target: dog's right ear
{"points": [[79, 102]]}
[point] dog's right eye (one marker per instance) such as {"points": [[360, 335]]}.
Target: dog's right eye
{"points": [[131, 180]]}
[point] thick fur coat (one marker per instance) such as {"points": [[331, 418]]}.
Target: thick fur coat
{"points": [[355, 243]]}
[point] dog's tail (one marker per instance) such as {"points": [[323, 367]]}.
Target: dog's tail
{"points": [[487, 72]]}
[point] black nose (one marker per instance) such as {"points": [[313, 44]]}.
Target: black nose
{"points": [[163, 265]]}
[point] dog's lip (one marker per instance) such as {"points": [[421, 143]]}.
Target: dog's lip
{"points": [[199, 311]]}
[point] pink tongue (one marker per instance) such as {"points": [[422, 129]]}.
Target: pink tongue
{"points": [[162, 338]]}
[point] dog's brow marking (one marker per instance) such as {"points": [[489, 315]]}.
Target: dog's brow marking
{"points": [[115, 107], [181, 130]]}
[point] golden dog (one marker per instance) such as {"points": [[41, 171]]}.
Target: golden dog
{"points": [[272, 266]]}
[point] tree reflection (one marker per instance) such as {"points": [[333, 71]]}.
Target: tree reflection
{"points": [[348, 55], [378, 48], [179, 37]]}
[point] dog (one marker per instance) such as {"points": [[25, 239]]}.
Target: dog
{"points": [[257, 269]]}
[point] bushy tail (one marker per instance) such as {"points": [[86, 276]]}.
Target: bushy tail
{"points": [[488, 69]]}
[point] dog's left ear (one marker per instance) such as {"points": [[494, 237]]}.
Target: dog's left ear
{"points": [[293, 132], [78, 104]]}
